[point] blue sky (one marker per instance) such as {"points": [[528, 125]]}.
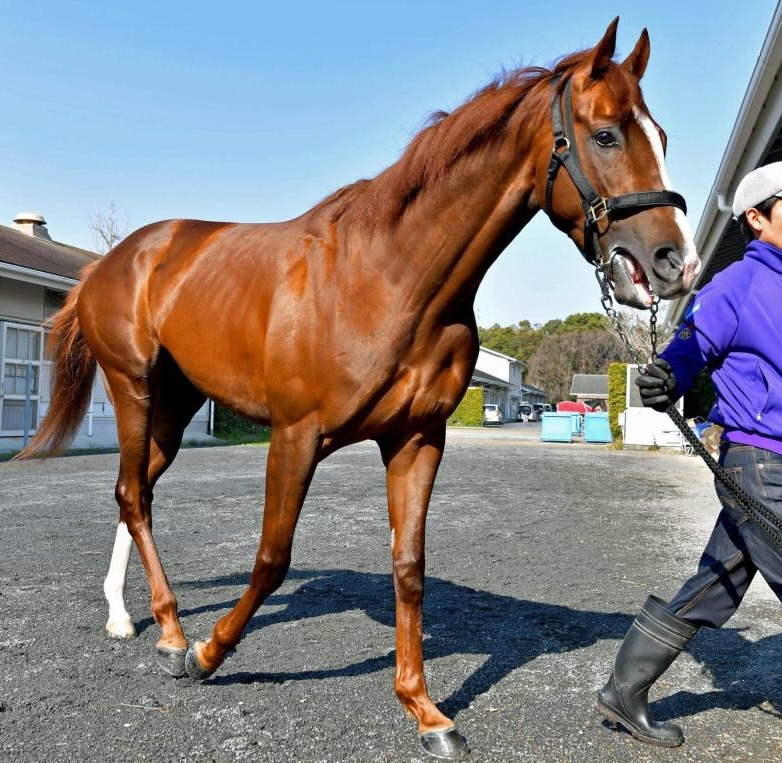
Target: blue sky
{"points": [[255, 111]]}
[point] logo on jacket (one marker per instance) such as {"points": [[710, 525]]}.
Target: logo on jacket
{"points": [[685, 333], [689, 316]]}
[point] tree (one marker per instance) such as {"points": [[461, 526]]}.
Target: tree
{"points": [[500, 338], [579, 344], [107, 229], [564, 354], [584, 322], [518, 341], [636, 331], [522, 340]]}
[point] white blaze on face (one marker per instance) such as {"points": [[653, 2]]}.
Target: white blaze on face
{"points": [[691, 262]]}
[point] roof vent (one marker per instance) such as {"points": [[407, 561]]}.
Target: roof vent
{"points": [[32, 224]]}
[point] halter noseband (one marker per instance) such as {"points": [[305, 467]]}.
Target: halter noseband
{"points": [[596, 207]]}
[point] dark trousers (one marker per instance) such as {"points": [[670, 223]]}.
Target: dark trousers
{"points": [[737, 548]]}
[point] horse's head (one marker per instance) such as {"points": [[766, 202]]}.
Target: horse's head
{"points": [[607, 186]]}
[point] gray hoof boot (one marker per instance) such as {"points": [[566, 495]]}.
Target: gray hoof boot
{"points": [[448, 744], [194, 670], [172, 660]]}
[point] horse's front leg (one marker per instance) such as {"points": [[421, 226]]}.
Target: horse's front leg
{"points": [[411, 466]]}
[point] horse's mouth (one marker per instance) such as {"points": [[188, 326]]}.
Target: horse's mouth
{"points": [[631, 284]]}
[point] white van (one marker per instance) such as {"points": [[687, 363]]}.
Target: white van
{"points": [[492, 414]]}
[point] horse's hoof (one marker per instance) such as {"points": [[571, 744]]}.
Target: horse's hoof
{"points": [[448, 744], [194, 670], [119, 629], [172, 660]]}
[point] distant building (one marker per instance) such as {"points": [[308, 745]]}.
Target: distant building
{"points": [[590, 389], [502, 380]]}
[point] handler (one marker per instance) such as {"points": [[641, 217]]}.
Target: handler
{"points": [[734, 327]]}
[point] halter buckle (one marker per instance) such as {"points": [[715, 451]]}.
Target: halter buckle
{"points": [[561, 145], [597, 211]]}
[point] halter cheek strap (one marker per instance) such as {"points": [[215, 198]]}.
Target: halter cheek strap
{"points": [[596, 207]]}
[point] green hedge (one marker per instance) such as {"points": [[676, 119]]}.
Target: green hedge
{"points": [[469, 412], [617, 398], [231, 426]]}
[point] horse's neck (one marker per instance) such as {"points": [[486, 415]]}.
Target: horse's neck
{"points": [[449, 238]]}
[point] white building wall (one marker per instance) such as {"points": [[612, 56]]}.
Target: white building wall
{"points": [[645, 426], [494, 364]]}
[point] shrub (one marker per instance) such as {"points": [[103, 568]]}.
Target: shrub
{"points": [[617, 398], [236, 428], [469, 412]]}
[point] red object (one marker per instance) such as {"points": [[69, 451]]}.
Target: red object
{"points": [[569, 406]]}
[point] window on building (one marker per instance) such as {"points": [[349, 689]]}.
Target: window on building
{"points": [[21, 348]]}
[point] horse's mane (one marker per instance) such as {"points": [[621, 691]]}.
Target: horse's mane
{"points": [[446, 139]]}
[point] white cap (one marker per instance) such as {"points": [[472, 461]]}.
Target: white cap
{"points": [[757, 186]]}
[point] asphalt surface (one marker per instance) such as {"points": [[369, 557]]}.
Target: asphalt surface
{"points": [[538, 557]]}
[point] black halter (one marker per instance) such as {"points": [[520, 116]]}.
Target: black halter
{"points": [[596, 207]]}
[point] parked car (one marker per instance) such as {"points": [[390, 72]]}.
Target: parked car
{"points": [[541, 408], [527, 413], [492, 414]]}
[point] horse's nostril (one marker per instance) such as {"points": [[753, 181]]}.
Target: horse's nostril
{"points": [[667, 260]]}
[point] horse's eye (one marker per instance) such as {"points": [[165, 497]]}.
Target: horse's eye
{"points": [[605, 139]]}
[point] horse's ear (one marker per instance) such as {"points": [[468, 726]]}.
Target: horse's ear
{"points": [[604, 51], [636, 62]]}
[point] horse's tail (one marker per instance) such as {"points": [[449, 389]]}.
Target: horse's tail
{"points": [[73, 370]]}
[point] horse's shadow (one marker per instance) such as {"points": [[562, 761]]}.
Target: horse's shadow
{"points": [[508, 631]]}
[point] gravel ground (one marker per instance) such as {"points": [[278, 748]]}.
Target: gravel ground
{"points": [[538, 557]]}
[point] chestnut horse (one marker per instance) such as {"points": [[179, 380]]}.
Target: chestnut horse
{"points": [[355, 321]]}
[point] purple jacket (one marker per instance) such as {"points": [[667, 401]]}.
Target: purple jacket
{"points": [[734, 326]]}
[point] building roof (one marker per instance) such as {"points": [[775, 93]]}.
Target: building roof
{"points": [[756, 139], [23, 251], [481, 377], [590, 385]]}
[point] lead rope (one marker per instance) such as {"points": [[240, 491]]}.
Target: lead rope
{"points": [[761, 515]]}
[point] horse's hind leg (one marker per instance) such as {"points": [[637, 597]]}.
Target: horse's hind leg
{"points": [[289, 469], [411, 466], [176, 403], [120, 624], [133, 408]]}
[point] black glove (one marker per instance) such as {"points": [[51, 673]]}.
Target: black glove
{"points": [[656, 383]]}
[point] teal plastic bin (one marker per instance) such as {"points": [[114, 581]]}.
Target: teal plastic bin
{"points": [[556, 427], [575, 423], [596, 428]]}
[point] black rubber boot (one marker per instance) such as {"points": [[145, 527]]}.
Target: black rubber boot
{"points": [[653, 642]]}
